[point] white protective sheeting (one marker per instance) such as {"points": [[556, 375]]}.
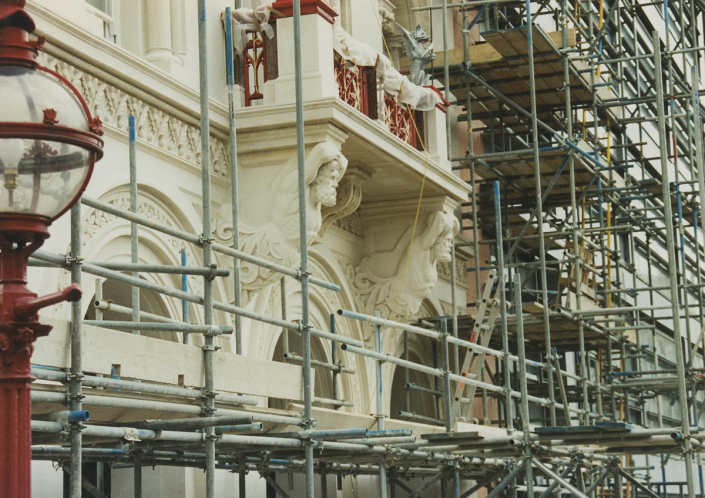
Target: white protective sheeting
{"points": [[396, 84], [245, 20], [418, 97]]}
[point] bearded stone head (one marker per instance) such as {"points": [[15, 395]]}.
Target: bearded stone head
{"points": [[324, 187]]}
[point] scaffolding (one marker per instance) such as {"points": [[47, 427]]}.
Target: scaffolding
{"points": [[575, 371]]}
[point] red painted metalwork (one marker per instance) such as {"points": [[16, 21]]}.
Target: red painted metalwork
{"points": [[402, 121], [352, 85], [285, 8], [17, 25], [20, 236], [254, 67]]}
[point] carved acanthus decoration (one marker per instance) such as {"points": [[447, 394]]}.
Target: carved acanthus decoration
{"points": [[349, 198], [396, 282], [351, 224], [460, 268], [277, 240], [388, 20], [155, 127]]}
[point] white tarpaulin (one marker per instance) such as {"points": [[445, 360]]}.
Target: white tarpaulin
{"points": [[396, 84]]}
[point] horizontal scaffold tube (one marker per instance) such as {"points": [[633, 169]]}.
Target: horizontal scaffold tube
{"points": [[203, 271], [144, 387], [192, 298], [184, 328], [197, 240], [194, 423], [225, 439], [293, 357], [387, 357], [139, 404], [124, 310]]}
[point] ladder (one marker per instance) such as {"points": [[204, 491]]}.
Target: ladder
{"points": [[485, 320]]}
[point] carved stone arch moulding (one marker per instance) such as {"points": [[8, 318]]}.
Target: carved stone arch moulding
{"points": [[98, 225]]}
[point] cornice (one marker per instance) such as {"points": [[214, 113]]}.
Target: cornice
{"points": [[255, 125]]}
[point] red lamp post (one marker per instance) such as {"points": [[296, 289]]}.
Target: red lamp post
{"points": [[49, 143]]}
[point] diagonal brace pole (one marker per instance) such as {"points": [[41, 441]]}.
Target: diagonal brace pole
{"points": [[639, 485], [598, 481], [562, 482], [477, 487], [519, 470], [274, 484], [534, 212], [552, 487], [427, 484]]}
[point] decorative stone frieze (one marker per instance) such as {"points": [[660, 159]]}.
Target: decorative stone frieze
{"points": [[154, 126]]}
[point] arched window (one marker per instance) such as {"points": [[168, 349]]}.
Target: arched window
{"points": [[323, 382], [416, 397], [120, 293]]}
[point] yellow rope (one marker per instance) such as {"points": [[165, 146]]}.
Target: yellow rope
{"points": [[423, 179]]}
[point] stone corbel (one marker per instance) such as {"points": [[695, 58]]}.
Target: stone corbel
{"points": [[349, 198]]}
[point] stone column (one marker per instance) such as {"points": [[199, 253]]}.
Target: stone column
{"points": [[158, 46]]}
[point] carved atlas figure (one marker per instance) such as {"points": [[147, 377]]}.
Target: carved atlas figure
{"points": [[277, 239], [385, 281]]}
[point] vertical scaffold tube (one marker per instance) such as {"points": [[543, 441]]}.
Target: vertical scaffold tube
{"points": [[184, 287], [208, 346], [508, 403], [305, 328], [134, 228], [577, 260], [446, 78], [76, 377], [379, 407], [672, 277], [523, 388], [539, 207], [234, 184]]}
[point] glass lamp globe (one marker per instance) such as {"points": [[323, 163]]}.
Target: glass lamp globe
{"points": [[48, 143]]}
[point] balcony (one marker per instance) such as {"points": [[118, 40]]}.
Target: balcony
{"points": [[360, 78]]}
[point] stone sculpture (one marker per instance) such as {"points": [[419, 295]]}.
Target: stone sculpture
{"points": [[277, 239], [419, 50], [396, 282]]}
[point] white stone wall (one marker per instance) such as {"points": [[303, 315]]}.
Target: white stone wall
{"points": [[152, 73]]}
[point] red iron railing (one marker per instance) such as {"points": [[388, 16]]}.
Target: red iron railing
{"points": [[403, 121], [357, 87], [353, 85], [254, 67]]}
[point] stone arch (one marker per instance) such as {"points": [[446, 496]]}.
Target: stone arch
{"points": [[422, 350], [106, 238], [262, 339]]}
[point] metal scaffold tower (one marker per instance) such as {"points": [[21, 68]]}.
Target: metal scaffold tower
{"points": [[585, 224]]}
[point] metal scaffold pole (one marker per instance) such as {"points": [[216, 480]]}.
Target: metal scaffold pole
{"points": [[672, 276], [303, 244], [379, 405], [234, 173], [207, 246], [539, 206], [75, 377]]}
